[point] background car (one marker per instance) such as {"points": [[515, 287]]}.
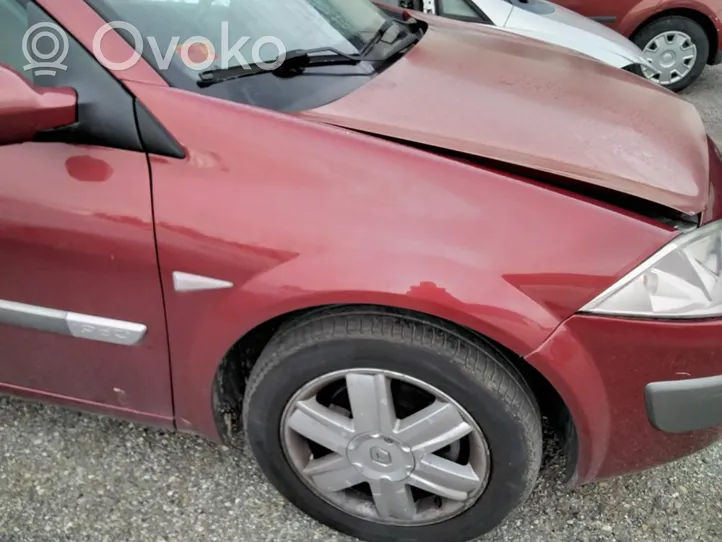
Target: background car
{"points": [[678, 37], [543, 21]]}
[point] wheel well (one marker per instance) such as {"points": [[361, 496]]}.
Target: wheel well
{"points": [[697, 16], [230, 384]]}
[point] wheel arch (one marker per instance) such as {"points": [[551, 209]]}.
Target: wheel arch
{"points": [[229, 382], [695, 15]]}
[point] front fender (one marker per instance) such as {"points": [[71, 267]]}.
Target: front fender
{"points": [[204, 325], [632, 19]]}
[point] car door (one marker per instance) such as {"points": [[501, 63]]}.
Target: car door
{"points": [[609, 12], [81, 310]]}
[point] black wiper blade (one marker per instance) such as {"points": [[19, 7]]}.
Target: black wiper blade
{"points": [[293, 64], [377, 37], [399, 46], [401, 42]]}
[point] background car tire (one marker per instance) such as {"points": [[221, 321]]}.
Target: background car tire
{"points": [[473, 372], [667, 26]]}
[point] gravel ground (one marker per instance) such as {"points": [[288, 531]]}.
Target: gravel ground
{"points": [[706, 94], [66, 476]]}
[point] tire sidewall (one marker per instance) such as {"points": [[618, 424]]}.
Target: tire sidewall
{"points": [[689, 27], [512, 463]]}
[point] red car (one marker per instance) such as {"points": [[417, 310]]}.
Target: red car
{"points": [[386, 291]]}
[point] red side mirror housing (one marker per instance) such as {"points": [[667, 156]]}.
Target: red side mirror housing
{"points": [[26, 110]]}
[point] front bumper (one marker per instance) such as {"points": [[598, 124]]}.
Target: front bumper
{"points": [[678, 406], [621, 381]]}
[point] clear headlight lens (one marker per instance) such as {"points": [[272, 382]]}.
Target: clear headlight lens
{"points": [[683, 280]]}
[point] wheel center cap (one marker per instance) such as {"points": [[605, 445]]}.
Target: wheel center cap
{"points": [[668, 59], [379, 457]]}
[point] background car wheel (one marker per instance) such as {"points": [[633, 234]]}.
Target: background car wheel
{"points": [[677, 47], [390, 427]]}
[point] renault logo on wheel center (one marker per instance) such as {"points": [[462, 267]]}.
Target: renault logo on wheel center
{"points": [[380, 456]]}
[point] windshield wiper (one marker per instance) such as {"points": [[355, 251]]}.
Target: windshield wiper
{"points": [[296, 61], [293, 64], [377, 37]]}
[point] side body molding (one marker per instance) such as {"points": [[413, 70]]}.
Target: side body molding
{"points": [[81, 326]]}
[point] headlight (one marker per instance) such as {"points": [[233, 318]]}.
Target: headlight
{"points": [[683, 280]]}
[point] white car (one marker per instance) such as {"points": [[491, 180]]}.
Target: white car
{"points": [[543, 21]]}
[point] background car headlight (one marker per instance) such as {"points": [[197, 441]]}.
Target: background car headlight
{"points": [[683, 280]]}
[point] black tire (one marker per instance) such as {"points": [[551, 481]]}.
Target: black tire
{"points": [[473, 372], [680, 24]]}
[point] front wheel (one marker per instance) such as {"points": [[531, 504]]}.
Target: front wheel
{"points": [[677, 48], [388, 427]]}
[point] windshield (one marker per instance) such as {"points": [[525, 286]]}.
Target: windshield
{"points": [[183, 38], [247, 30]]}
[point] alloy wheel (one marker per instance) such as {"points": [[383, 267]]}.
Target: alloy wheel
{"points": [[385, 447]]}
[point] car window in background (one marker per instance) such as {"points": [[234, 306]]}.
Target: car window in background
{"points": [[458, 9], [13, 25]]}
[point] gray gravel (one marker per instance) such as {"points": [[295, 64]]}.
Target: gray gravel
{"points": [[66, 476], [706, 94]]}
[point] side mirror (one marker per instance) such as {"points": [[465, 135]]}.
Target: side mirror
{"points": [[26, 110]]}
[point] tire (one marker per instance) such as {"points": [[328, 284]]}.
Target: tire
{"points": [[683, 25], [473, 373]]}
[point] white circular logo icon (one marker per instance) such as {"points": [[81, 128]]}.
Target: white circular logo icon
{"points": [[45, 46]]}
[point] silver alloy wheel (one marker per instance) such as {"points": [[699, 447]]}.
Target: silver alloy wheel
{"points": [[370, 445], [672, 54]]}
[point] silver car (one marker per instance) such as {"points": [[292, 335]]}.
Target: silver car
{"points": [[543, 21]]}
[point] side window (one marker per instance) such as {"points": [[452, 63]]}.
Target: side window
{"points": [[13, 25], [459, 9]]}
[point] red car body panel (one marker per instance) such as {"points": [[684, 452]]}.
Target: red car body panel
{"points": [[299, 214], [625, 16], [624, 143], [615, 435], [77, 226]]}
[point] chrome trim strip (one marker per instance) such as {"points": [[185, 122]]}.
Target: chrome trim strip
{"points": [[187, 282], [95, 328], [81, 326], [31, 316]]}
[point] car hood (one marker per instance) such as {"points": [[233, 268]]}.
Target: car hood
{"points": [[549, 22], [493, 95]]}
